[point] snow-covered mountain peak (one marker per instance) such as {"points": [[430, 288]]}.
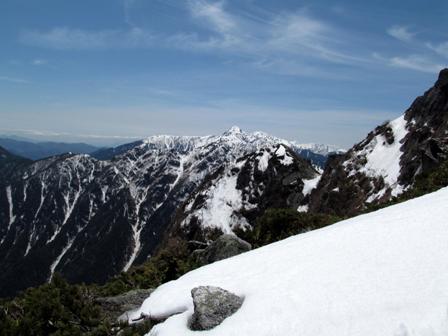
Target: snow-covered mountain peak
{"points": [[234, 130], [168, 142]]}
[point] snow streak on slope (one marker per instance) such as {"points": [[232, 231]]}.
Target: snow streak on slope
{"points": [[380, 274], [59, 258], [12, 218]]}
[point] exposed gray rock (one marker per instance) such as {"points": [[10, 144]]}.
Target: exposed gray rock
{"points": [[212, 305], [115, 306], [224, 247]]}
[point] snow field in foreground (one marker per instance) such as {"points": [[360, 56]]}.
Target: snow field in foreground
{"points": [[384, 273]]}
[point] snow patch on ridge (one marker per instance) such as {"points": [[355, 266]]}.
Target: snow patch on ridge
{"points": [[263, 161], [223, 200], [383, 159], [285, 159], [309, 185]]}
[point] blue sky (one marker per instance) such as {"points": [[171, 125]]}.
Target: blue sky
{"points": [[314, 71]]}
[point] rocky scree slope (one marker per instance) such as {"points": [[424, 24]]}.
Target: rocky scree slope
{"points": [[89, 219], [387, 161]]}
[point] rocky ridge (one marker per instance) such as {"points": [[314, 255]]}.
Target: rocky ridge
{"points": [[387, 161]]}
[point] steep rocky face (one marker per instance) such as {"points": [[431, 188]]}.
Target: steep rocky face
{"points": [[232, 198], [386, 163], [89, 219]]}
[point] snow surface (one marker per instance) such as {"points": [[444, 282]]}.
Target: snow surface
{"points": [[263, 161], [12, 217], [380, 274], [222, 202], [309, 185], [286, 160], [384, 159]]}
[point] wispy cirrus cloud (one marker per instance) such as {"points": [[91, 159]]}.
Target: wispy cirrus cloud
{"points": [[296, 43], [214, 14], [424, 58], [14, 80], [401, 33], [417, 62], [439, 48], [413, 62], [286, 43], [39, 61], [68, 38]]}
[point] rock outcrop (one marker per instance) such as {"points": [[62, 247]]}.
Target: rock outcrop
{"points": [[387, 161], [212, 305], [115, 307], [224, 247]]}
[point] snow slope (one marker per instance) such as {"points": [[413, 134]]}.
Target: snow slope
{"points": [[382, 159], [384, 273]]}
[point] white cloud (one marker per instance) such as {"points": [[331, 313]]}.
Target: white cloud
{"points": [[295, 43], [441, 48], [287, 40], [301, 34], [14, 80], [416, 62], [67, 38], [280, 40], [214, 13], [401, 33], [39, 62]]}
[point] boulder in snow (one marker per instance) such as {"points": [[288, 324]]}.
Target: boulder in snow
{"points": [[212, 305], [224, 247]]}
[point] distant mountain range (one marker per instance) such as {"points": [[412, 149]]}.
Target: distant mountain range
{"points": [[40, 150], [90, 218], [26, 148]]}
